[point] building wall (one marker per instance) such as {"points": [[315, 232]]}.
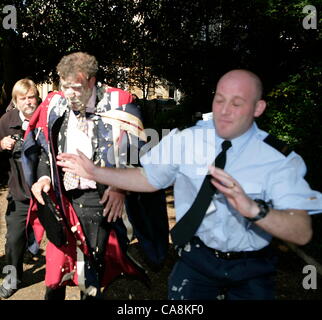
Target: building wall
{"points": [[45, 88], [160, 92]]}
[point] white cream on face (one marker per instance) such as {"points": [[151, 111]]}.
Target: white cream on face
{"points": [[77, 92]]}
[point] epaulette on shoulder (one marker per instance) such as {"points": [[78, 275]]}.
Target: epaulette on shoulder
{"points": [[277, 144]]}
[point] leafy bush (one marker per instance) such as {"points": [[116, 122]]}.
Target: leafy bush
{"points": [[294, 115]]}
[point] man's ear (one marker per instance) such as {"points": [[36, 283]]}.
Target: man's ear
{"points": [[92, 82], [259, 108]]}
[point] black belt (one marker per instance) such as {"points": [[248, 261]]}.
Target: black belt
{"points": [[234, 254], [76, 193]]}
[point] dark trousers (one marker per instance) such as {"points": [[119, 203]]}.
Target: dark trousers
{"points": [[55, 294], [96, 230], [16, 237], [200, 275]]}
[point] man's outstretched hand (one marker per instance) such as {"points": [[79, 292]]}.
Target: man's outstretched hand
{"points": [[233, 192], [77, 164], [113, 198]]}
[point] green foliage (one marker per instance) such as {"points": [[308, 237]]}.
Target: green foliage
{"points": [[164, 114], [189, 43], [172, 118], [294, 115]]}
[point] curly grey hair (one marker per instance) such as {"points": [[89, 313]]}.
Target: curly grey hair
{"points": [[78, 62]]}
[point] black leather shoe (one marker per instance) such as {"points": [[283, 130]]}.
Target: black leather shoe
{"points": [[6, 293]]}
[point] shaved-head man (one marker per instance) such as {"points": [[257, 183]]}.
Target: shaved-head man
{"points": [[227, 210], [236, 103]]}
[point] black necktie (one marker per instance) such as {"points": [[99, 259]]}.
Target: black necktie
{"points": [[187, 226]]}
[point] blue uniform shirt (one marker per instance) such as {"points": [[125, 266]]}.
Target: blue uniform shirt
{"points": [[182, 158]]}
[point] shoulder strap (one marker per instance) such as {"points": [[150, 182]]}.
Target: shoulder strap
{"points": [[277, 144]]}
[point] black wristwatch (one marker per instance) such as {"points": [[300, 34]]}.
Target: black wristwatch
{"points": [[263, 210]]}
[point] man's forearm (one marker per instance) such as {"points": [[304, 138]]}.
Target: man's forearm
{"points": [[43, 168], [289, 225], [131, 179]]}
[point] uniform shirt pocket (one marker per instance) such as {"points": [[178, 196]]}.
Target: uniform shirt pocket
{"points": [[254, 190]]}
